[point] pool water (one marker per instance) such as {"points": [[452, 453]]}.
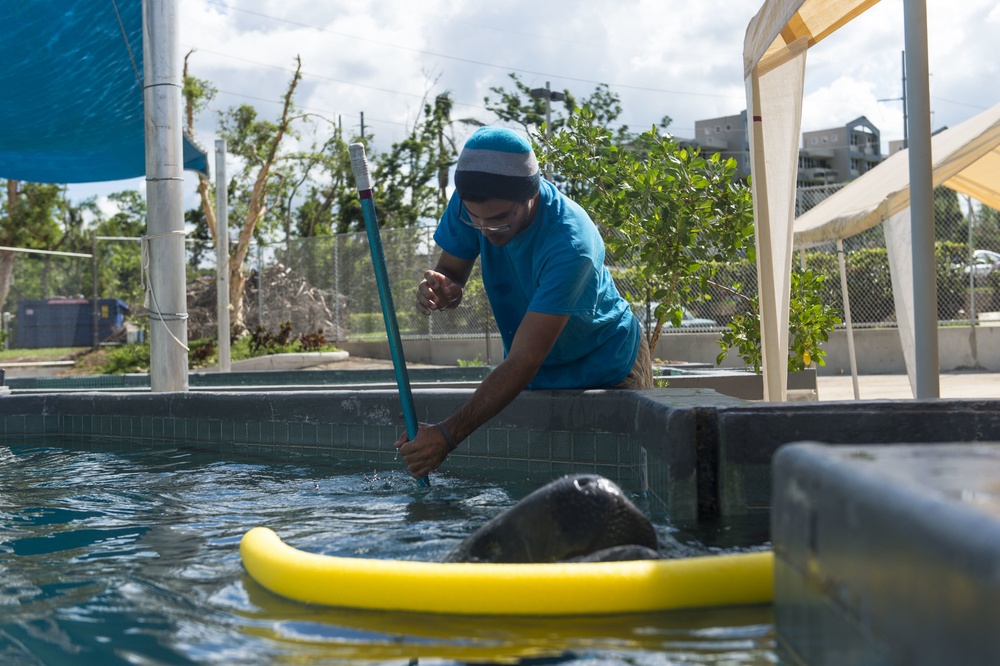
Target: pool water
{"points": [[131, 556]]}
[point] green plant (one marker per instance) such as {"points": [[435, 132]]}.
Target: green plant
{"points": [[810, 323], [310, 342], [201, 353], [127, 359], [263, 341], [474, 363]]}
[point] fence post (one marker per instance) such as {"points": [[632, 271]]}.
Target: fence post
{"points": [[260, 286], [336, 286], [95, 313], [222, 256]]}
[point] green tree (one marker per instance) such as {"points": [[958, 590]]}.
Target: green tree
{"points": [[330, 204], [670, 211], [949, 222], [985, 226], [119, 262], [409, 187], [518, 106], [987, 232], [253, 190], [808, 330], [29, 218], [197, 94]]}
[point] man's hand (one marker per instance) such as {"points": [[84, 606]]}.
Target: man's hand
{"points": [[437, 291], [426, 452]]}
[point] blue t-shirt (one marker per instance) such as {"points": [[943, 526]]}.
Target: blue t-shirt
{"points": [[555, 266]]}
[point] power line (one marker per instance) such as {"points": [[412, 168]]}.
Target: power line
{"points": [[469, 60], [329, 78], [308, 109]]}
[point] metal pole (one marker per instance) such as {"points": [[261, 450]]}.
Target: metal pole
{"points": [[362, 176], [925, 332], [95, 341], [972, 276], [548, 123], [549, 96], [222, 254], [164, 242], [548, 111], [260, 284], [336, 285], [847, 317], [906, 142]]}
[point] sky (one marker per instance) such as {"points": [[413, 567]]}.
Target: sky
{"points": [[684, 60]]}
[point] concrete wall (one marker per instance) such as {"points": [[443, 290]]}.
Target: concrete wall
{"points": [[878, 350], [887, 554]]}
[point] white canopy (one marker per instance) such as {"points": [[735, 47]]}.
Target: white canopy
{"points": [[774, 59], [774, 55], [966, 158]]}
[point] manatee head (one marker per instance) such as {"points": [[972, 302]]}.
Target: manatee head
{"points": [[572, 517]]}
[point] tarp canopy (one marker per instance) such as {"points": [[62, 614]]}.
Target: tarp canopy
{"points": [[781, 23], [72, 85], [774, 54], [965, 158], [774, 62]]}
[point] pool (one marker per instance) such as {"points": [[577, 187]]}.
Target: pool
{"points": [[130, 555]]}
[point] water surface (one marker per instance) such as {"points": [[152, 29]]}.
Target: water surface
{"points": [[131, 556]]}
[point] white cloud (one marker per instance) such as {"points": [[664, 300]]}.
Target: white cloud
{"points": [[681, 59]]}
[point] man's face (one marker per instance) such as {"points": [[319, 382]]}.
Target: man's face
{"points": [[497, 219]]}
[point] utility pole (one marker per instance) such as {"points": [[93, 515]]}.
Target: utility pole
{"points": [[906, 138], [550, 96]]}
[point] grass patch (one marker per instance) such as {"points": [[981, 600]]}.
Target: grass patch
{"points": [[204, 353], [48, 354]]}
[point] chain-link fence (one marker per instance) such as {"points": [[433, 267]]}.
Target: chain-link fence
{"points": [[326, 285]]}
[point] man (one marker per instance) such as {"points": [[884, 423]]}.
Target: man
{"points": [[562, 321]]}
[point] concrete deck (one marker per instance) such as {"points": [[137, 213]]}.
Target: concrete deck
{"points": [[897, 387]]}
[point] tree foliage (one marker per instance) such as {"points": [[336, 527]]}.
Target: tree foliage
{"points": [[29, 218], [808, 330], [668, 208]]}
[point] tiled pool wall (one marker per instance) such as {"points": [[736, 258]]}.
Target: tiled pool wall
{"points": [[694, 453], [749, 435], [542, 435]]}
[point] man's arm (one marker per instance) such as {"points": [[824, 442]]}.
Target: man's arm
{"points": [[532, 343]]}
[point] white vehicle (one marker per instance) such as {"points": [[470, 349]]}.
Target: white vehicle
{"points": [[984, 262]]}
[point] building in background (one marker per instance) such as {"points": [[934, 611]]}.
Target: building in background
{"points": [[827, 157]]}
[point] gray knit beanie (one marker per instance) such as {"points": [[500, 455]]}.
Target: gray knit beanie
{"points": [[497, 163]]}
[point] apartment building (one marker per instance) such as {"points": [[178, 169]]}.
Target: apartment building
{"points": [[828, 156]]}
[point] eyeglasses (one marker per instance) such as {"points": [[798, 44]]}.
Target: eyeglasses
{"points": [[466, 218]]}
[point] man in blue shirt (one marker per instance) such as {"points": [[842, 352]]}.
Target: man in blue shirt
{"points": [[562, 321]]}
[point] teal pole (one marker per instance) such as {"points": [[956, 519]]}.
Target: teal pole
{"points": [[362, 176]]}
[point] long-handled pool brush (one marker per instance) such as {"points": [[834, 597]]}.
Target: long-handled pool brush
{"points": [[363, 178]]}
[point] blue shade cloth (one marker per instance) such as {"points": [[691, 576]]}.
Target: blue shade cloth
{"points": [[72, 109]]}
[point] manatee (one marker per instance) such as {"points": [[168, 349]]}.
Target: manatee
{"points": [[580, 518]]}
